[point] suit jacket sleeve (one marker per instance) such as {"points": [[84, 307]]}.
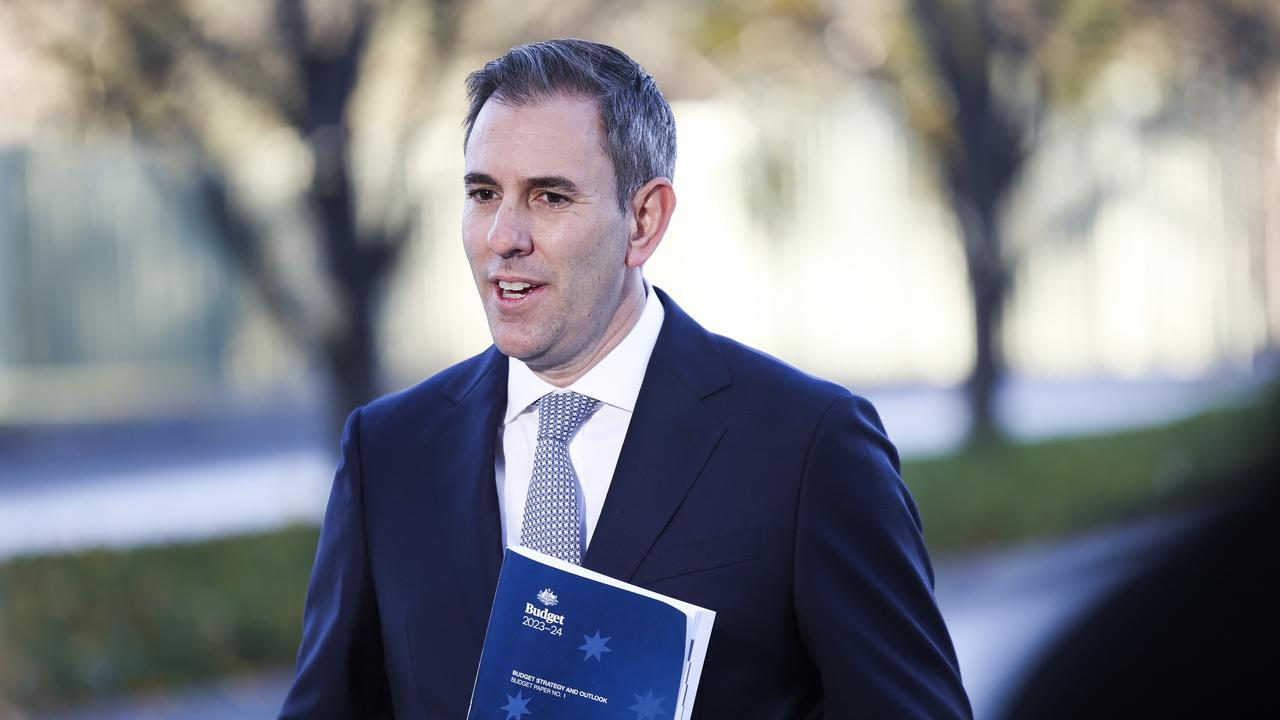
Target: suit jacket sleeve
{"points": [[340, 661], [864, 585]]}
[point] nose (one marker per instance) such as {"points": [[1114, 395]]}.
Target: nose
{"points": [[509, 236]]}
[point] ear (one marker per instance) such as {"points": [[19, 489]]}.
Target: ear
{"points": [[651, 209]]}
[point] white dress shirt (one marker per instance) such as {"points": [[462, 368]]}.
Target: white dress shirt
{"points": [[614, 381]]}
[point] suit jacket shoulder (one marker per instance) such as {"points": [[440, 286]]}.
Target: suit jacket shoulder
{"points": [[423, 405], [736, 380]]}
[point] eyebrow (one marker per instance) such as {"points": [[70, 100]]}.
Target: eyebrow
{"points": [[542, 182], [477, 178], [552, 182]]}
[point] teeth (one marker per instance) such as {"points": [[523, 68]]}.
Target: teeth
{"points": [[514, 286]]}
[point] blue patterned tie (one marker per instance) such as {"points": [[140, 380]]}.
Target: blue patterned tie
{"points": [[552, 524]]}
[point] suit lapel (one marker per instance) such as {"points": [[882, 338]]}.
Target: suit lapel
{"points": [[669, 440], [463, 448]]}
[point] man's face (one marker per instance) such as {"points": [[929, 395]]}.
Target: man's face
{"points": [[543, 233]]}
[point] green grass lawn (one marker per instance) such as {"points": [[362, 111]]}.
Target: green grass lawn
{"points": [[1016, 492], [103, 623], [78, 626]]}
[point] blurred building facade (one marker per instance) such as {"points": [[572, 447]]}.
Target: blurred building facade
{"points": [[112, 293]]}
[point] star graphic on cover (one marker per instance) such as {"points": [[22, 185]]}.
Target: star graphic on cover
{"points": [[647, 707], [595, 645], [517, 706]]}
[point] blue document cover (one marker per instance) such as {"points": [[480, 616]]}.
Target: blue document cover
{"points": [[564, 642]]}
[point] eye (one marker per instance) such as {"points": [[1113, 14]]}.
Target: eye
{"points": [[554, 199], [481, 195]]}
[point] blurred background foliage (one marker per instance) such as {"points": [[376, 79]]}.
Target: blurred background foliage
{"points": [[242, 221], [100, 623]]}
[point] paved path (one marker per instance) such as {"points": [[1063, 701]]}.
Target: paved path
{"points": [[1005, 607], [252, 698], [189, 502]]}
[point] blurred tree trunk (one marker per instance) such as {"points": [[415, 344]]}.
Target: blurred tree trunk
{"points": [[357, 260], [980, 161], [974, 45], [300, 74], [978, 78], [356, 265], [988, 285]]}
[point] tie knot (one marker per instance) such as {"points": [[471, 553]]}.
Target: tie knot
{"points": [[561, 414]]}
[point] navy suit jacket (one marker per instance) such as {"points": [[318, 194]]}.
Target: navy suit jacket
{"points": [[744, 486]]}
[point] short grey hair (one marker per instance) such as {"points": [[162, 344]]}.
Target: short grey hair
{"points": [[638, 127]]}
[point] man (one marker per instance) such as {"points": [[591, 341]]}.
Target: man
{"points": [[697, 467]]}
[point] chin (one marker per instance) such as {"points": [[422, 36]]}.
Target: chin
{"points": [[521, 339], [517, 347]]}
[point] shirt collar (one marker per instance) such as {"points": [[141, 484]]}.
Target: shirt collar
{"points": [[615, 380]]}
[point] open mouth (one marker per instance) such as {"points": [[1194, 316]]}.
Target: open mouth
{"points": [[514, 290]]}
